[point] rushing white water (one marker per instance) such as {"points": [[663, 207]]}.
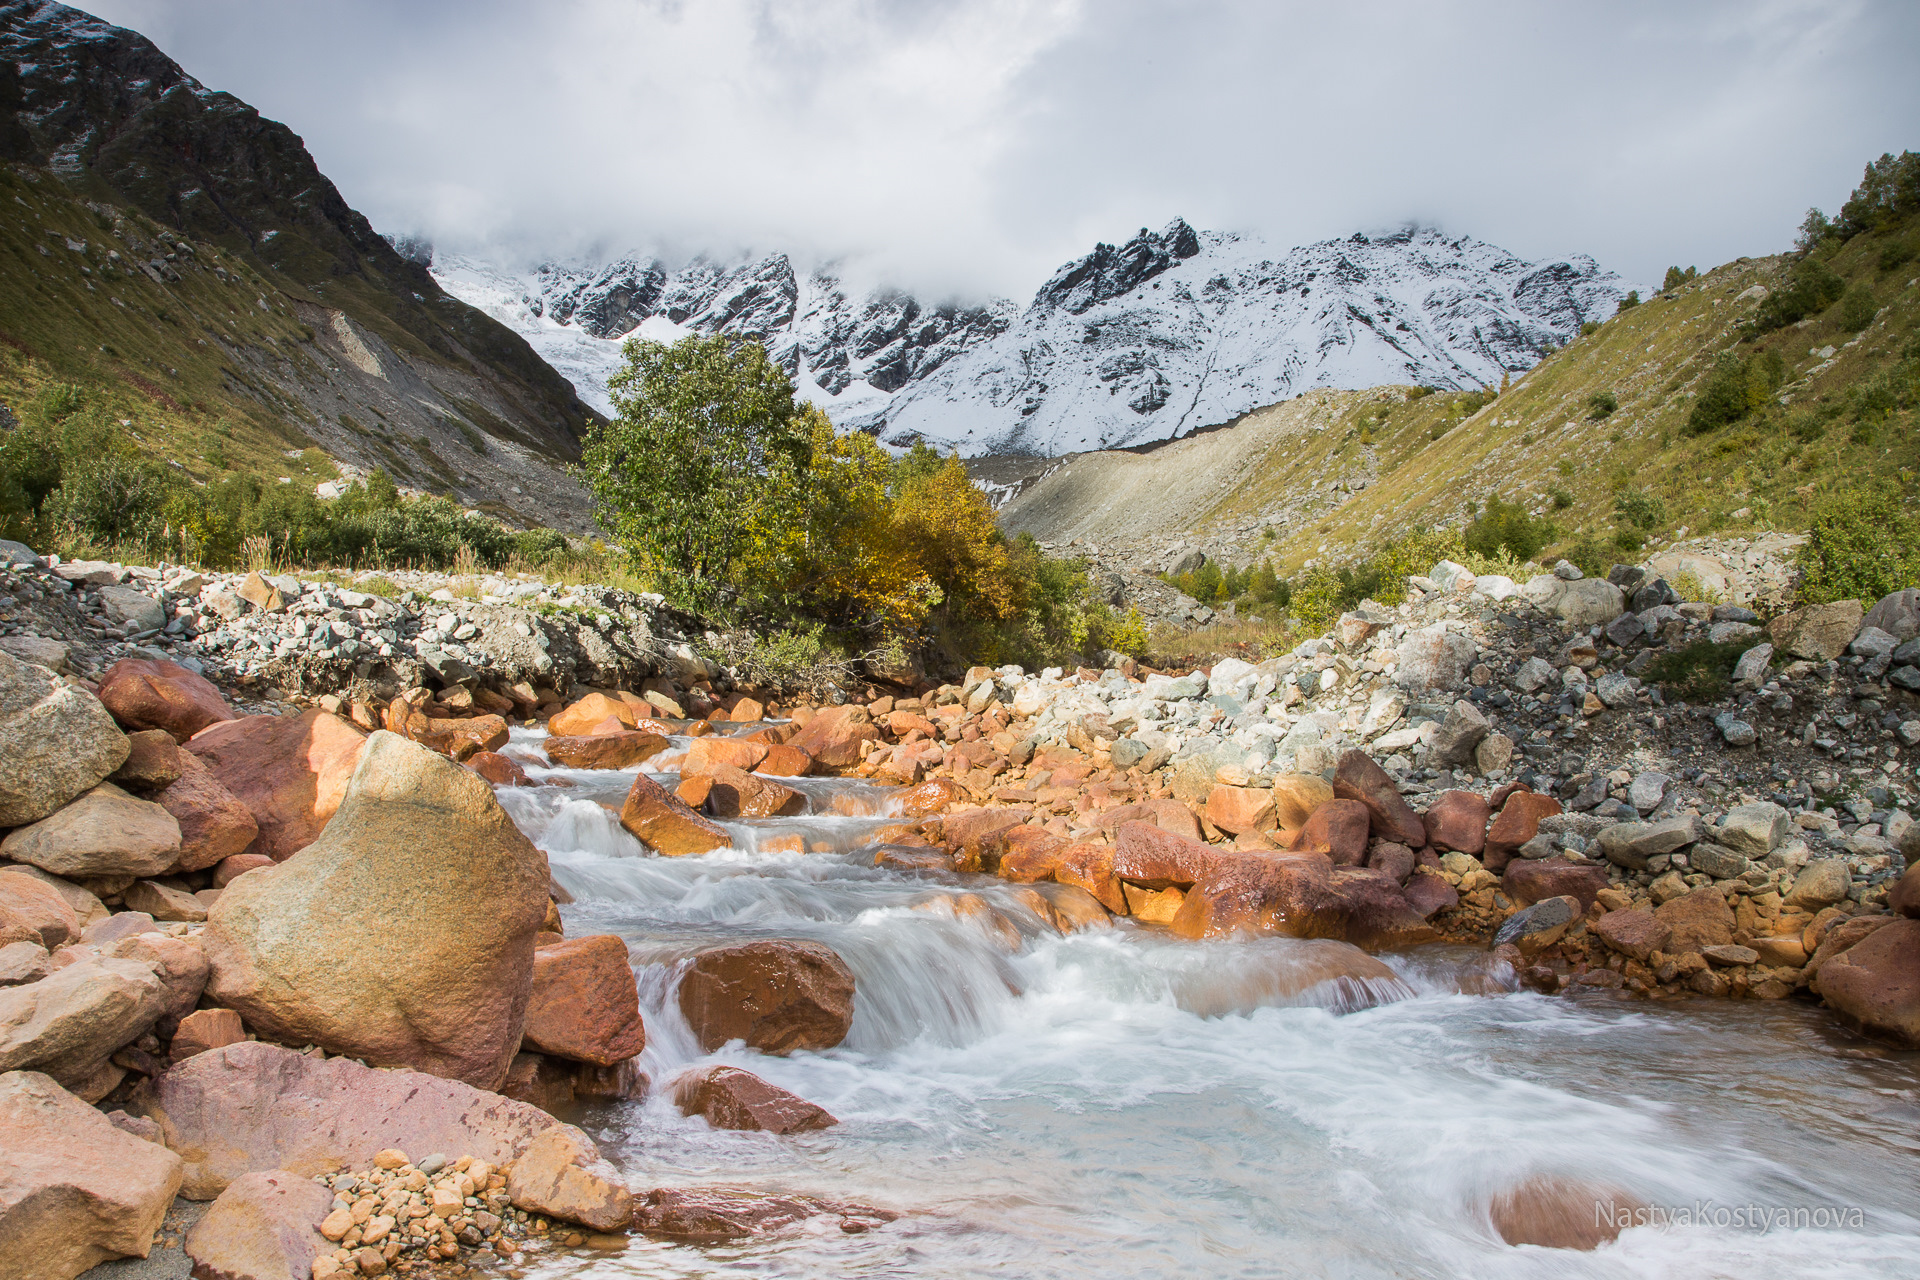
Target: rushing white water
{"points": [[1116, 1103]]}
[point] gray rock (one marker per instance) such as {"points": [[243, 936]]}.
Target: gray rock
{"points": [[1909, 730], [19, 553], [38, 650], [1540, 925], [1627, 577], [1462, 731], [1567, 571], [1717, 861], [1821, 884], [1872, 642], [1589, 602], [1730, 953], [1733, 632], [1630, 844], [1384, 710], [1128, 752], [1898, 614], [1652, 594], [1533, 674], [1737, 733], [1433, 658], [1751, 670], [132, 610], [1733, 613], [1615, 690], [1626, 629], [1494, 753], [1818, 633], [1906, 678], [56, 742], [1755, 830], [1647, 790]]}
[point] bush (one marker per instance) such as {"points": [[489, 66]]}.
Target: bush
{"points": [[1589, 328], [1506, 526], [1735, 389], [1562, 497], [1641, 510], [1811, 286], [1676, 278], [1863, 543], [1602, 405], [1627, 303], [1857, 309], [1700, 672]]}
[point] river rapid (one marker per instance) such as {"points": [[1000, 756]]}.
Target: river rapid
{"points": [[1116, 1103]]}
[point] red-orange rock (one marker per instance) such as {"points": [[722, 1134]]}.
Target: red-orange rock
{"points": [[1396, 860], [1699, 920], [459, 739], [930, 797], [730, 1098], [746, 709], [238, 865], [585, 1004], [1087, 865], [205, 1030], [782, 761], [776, 995], [1296, 796], [501, 771], [1458, 821], [214, 823], [1299, 895], [1519, 822], [693, 792], [1875, 983], [1635, 933], [1428, 893], [1028, 854], [965, 833], [1238, 809], [709, 754], [737, 794], [1154, 858], [148, 693], [665, 824], [833, 737], [1339, 829], [711, 1214], [1359, 778], [289, 771], [1534, 880], [1560, 1213], [620, 750], [1904, 897], [580, 718]]}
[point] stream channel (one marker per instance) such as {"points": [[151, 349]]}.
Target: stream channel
{"points": [[1118, 1103]]}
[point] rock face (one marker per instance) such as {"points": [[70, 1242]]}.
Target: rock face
{"points": [[256, 1106], [403, 935], [68, 1023], [730, 1098], [144, 693], [585, 1003], [264, 1226], [75, 1190], [561, 1174], [56, 742], [777, 995], [1876, 982], [291, 772], [104, 833]]}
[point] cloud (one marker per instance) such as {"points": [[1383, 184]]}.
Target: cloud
{"points": [[970, 146]]}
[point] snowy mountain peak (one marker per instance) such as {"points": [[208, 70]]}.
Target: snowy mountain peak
{"points": [[1149, 340]]}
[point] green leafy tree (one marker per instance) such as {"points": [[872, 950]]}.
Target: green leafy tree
{"points": [[1629, 302], [1857, 308], [702, 429], [1676, 278]]}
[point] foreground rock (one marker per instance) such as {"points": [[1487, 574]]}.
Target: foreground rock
{"points": [[255, 1106], [69, 1023], [103, 833], [214, 823], [143, 693], [404, 935], [75, 1190], [665, 824], [1560, 1213], [561, 1174], [730, 1098], [57, 740], [291, 772], [264, 1226], [585, 1003], [777, 996], [1875, 983]]}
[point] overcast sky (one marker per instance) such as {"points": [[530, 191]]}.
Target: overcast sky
{"points": [[972, 146]]}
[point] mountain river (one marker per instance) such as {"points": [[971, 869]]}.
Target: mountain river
{"points": [[1116, 1103]]}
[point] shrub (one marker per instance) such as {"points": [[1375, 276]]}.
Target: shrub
{"points": [[1896, 255], [1862, 543], [1733, 390], [1640, 509], [1857, 309], [1589, 327], [1811, 286], [1700, 672], [1602, 405], [1506, 526], [1562, 497], [1627, 303]]}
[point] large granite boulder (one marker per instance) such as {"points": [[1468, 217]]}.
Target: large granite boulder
{"points": [[404, 935], [290, 771], [56, 742], [75, 1189]]}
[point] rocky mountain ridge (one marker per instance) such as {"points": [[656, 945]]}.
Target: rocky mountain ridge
{"points": [[1130, 344]]}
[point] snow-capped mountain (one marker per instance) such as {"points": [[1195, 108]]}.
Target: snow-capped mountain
{"points": [[1146, 341]]}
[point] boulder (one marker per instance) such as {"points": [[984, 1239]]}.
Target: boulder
{"points": [[229, 869], [585, 1003], [1539, 926], [258, 1106], [562, 1175], [1238, 809], [368, 942], [204, 1031], [1299, 895], [709, 754], [1458, 736], [153, 761], [1630, 844], [1154, 858], [1392, 818], [1590, 602], [735, 794], [56, 742], [930, 797], [1820, 883], [1818, 633], [730, 1098], [1296, 796], [164, 902], [179, 963], [1339, 829], [664, 823], [1875, 983], [40, 905], [501, 771], [75, 1190], [86, 908], [22, 961], [1561, 1213], [1898, 614], [782, 761], [1635, 933], [38, 651], [1904, 898], [70, 1022], [214, 824], [153, 693], [290, 772], [1090, 867], [1457, 821], [777, 995], [133, 611], [580, 718], [833, 737], [1433, 658], [1755, 830], [1698, 919], [713, 1214], [1517, 823], [620, 750], [458, 739], [103, 833], [1842, 936], [1428, 893], [264, 1226], [1535, 880]]}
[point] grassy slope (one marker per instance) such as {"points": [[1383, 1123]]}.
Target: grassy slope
{"points": [[1540, 434]]}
